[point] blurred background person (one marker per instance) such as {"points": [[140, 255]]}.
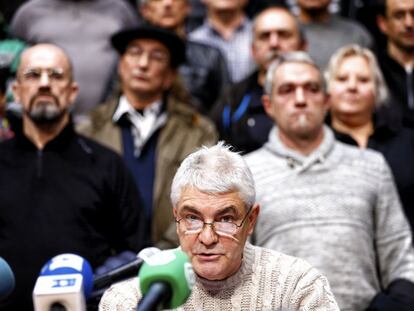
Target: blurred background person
{"points": [[147, 124], [239, 114], [332, 204], [396, 21], [360, 116], [60, 192], [326, 32], [204, 72], [83, 29], [228, 28]]}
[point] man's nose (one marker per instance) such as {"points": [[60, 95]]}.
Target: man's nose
{"points": [[274, 40], [143, 60], [409, 20], [44, 80], [300, 97], [207, 235]]}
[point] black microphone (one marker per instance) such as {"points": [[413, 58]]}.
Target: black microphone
{"points": [[125, 271]]}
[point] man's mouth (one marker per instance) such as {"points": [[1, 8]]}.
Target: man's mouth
{"points": [[207, 256]]}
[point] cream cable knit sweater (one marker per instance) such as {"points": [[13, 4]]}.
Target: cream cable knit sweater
{"points": [[267, 280]]}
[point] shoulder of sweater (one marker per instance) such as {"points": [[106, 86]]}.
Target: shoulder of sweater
{"points": [[355, 156]]}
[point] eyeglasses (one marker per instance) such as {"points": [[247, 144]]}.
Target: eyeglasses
{"points": [[135, 51], [35, 74], [192, 225]]}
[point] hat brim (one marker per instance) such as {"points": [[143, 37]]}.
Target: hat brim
{"points": [[172, 41]]}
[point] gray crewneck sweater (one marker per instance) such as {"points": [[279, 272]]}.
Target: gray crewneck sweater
{"points": [[266, 280], [338, 209]]}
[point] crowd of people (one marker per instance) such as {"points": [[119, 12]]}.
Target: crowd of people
{"points": [[270, 140]]}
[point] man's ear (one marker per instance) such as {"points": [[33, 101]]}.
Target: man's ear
{"points": [[267, 105], [74, 90], [382, 24], [253, 218], [170, 79], [175, 217], [15, 91], [327, 102], [143, 10]]}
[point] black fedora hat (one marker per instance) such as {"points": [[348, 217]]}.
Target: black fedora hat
{"points": [[171, 40]]}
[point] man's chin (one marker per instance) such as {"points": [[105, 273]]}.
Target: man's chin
{"points": [[45, 119]]}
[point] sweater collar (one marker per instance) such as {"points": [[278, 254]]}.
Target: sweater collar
{"points": [[294, 158]]}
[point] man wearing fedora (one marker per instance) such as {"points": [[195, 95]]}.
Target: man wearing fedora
{"points": [[149, 125]]}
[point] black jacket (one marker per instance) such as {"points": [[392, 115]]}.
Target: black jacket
{"points": [[205, 74], [240, 117], [401, 86], [74, 196]]}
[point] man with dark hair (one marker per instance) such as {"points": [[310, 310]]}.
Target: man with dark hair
{"points": [[146, 123], [60, 192], [228, 28], [396, 21], [326, 32]]}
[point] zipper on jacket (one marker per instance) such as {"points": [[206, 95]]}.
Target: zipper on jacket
{"points": [[39, 163], [410, 93]]}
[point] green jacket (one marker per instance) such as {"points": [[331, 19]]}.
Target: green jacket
{"points": [[184, 132]]}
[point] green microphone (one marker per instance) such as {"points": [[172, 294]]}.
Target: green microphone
{"points": [[166, 280]]}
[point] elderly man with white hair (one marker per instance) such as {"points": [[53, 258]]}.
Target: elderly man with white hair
{"points": [[214, 203]]}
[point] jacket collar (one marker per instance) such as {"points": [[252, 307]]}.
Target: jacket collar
{"points": [[60, 142]]}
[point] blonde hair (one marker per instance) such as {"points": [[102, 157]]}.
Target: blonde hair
{"points": [[381, 90]]}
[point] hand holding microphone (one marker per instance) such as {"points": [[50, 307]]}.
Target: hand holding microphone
{"points": [[166, 280]]}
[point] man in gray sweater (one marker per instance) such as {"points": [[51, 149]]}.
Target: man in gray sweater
{"points": [[334, 205]]}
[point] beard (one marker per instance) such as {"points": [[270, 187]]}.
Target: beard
{"points": [[45, 112]]}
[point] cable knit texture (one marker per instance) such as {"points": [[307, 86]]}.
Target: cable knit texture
{"points": [[266, 280], [338, 209]]}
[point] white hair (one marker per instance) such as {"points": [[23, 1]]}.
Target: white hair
{"points": [[381, 91], [215, 169]]}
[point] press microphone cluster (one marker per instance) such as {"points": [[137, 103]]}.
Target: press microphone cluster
{"points": [[166, 280], [65, 282], [125, 271], [7, 281]]}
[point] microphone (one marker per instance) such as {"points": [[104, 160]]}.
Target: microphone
{"points": [[7, 281], [166, 280], [65, 282], [125, 271]]}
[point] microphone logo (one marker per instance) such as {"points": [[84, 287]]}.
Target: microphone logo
{"points": [[64, 282]]}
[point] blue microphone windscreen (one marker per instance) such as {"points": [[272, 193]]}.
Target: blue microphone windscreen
{"points": [[70, 264], [7, 281]]}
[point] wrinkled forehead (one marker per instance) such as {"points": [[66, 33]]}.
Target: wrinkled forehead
{"points": [[297, 73]]}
